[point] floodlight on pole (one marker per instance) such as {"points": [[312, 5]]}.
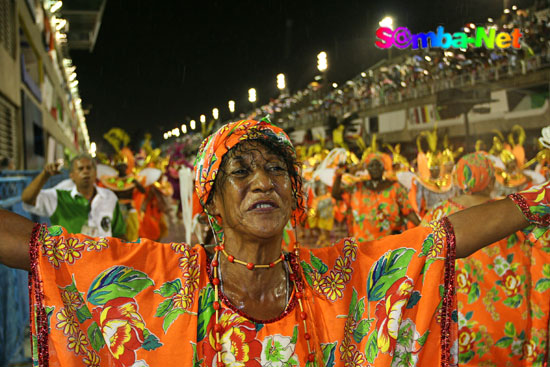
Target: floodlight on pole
{"points": [[202, 118], [215, 113], [386, 22], [281, 83], [231, 105], [93, 149], [252, 95], [322, 63], [56, 6], [192, 124], [61, 23], [184, 129]]}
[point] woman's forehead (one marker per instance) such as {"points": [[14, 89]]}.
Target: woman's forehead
{"points": [[374, 161], [252, 151]]}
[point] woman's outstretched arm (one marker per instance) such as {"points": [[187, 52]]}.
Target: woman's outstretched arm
{"points": [[15, 235], [482, 225]]}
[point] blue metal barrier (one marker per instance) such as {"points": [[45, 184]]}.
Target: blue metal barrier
{"points": [[14, 298], [52, 181], [18, 173]]}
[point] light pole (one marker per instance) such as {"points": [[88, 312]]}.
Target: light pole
{"points": [[192, 124], [281, 83], [215, 113], [387, 22], [202, 119], [322, 66], [252, 97], [322, 62], [231, 105]]}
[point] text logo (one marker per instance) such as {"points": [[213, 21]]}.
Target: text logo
{"points": [[402, 38]]}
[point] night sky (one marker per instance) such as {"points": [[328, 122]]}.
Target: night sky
{"points": [[159, 63]]}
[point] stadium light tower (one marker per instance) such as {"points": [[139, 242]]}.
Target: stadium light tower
{"points": [[387, 22], [252, 97], [322, 63], [281, 83], [231, 106]]}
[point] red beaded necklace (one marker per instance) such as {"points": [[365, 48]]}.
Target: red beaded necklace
{"points": [[250, 266]]}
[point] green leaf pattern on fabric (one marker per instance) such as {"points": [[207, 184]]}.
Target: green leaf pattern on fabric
{"points": [[389, 268], [117, 281]]}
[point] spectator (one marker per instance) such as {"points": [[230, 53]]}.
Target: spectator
{"points": [[80, 207]]}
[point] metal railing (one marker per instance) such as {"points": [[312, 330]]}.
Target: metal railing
{"points": [[309, 116]]}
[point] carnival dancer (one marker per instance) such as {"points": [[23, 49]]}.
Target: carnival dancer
{"points": [[103, 302], [400, 164], [542, 159], [509, 163], [118, 175], [378, 206], [500, 318], [325, 214], [432, 183], [321, 213]]}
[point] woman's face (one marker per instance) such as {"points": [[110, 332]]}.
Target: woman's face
{"points": [[376, 169], [255, 198]]}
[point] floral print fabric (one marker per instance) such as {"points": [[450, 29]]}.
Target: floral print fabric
{"points": [[106, 302], [376, 214], [503, 299]]}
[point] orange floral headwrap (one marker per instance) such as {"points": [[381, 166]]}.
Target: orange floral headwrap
{"points": [[213, 148], [474, 172]]}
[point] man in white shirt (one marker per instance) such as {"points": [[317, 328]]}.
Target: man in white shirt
{"points": [[81, 207]]}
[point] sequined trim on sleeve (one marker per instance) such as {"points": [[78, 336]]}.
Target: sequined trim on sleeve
{"points": [[448, 306], [530, 216], [36, 297]]}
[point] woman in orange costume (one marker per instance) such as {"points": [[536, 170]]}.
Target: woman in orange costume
{"points": [[244, 302], [378, 206], [509, 173], [500, 320], [432, 182], [322, 213]]}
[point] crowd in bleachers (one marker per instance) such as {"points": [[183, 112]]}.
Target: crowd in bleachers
{"points": [[413, 74]]}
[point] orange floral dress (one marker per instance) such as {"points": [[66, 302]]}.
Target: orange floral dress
{"points": [[503, 298], [376, 214], [106, 302]]}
